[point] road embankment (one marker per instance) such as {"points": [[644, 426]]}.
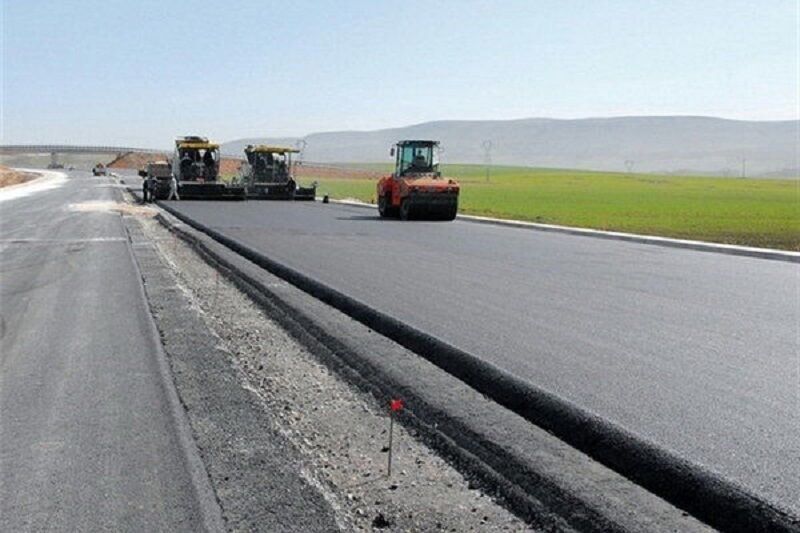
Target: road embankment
{"points": [[10, 176]]}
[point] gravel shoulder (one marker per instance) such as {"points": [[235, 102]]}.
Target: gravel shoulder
{"points": [[295, 427]]}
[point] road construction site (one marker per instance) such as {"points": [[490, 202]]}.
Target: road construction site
{"points": [[259, 435], [551, 381]]}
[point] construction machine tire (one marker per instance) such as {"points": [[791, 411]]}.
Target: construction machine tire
{"points": [[450, 213], [405, 209], [385, 209]]}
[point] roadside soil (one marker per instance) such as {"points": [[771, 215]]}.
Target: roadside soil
{"points": [[14, 177], [229, 166], [341, 433], [136, 161]]}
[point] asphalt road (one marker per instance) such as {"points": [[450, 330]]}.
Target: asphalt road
{"points": [[694, 351], [87, 438]]}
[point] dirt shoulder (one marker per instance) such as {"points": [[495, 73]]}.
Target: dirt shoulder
{"points": [[9, 176]]}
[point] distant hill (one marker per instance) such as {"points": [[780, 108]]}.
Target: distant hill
{"points": [[678, 144]]}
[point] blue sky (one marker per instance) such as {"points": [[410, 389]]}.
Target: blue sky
{"points": [[141, 72]]}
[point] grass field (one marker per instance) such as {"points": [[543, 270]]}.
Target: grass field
{"points": [[753, 212]]}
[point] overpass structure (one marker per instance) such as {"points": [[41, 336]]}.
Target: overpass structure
{"points": [[55, 149]]}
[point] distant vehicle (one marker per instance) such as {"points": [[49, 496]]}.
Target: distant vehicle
{"points": [[195, 164], [416, 188], [161, 172], [267, 174], [99, 170], [53, 166]]}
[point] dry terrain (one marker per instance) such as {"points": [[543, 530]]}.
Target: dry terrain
{"points": [[131, 160], [10, 176]]}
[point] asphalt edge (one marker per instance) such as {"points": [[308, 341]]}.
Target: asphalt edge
{"points": [[207, 499], [655, 240], [702, 493]]}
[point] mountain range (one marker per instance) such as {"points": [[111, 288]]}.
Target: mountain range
{"points": [[664, 144]]}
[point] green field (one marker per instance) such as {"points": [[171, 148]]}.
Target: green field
{"points": [[753, 212]]}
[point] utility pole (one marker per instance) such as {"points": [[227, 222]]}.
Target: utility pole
{"points": [[629, 165], [487, 157], [301, 144]]}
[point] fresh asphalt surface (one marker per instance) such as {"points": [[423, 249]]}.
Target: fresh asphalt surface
{"points": [[694, 351], [87, 438]]}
